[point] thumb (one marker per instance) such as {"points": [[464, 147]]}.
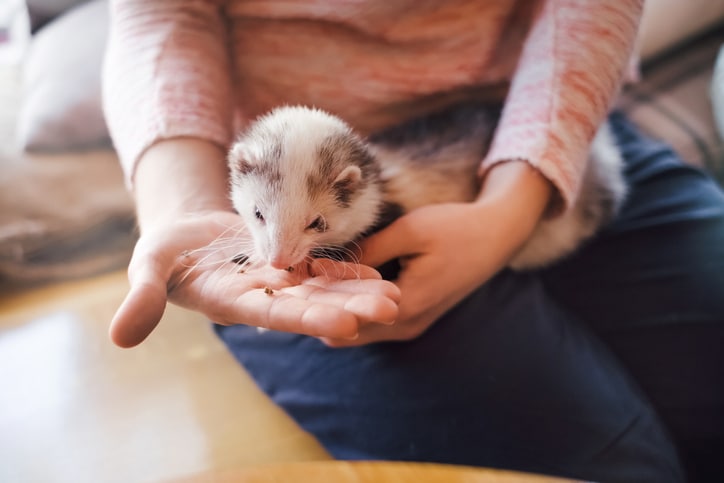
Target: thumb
{"points": [[142, 308], [395, 241]]}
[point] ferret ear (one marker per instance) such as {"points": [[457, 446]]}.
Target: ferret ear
{"points": [[238, 159], [345, 184], [349, 177], [244, 167]]}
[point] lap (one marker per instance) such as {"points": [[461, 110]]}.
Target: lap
{"points": [[506, 379]]}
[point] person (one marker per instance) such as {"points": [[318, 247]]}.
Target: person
{"points": [[604, 366]]}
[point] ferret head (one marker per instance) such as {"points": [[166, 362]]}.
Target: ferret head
{"points": [[301, 180]]}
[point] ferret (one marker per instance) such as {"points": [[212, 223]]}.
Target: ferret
{"points": [[304, 182]]}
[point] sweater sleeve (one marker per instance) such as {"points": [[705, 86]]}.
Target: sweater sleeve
{"points": [[570, 70], [166, 74]]}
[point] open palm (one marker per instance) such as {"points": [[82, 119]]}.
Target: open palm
{"points": [[190, 263]]}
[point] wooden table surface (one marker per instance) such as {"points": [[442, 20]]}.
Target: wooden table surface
{"points": [[176, 409], [366, 472], [76, 409]]}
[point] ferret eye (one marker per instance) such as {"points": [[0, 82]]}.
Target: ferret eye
{"points": [[258, 214], [318, 225]]}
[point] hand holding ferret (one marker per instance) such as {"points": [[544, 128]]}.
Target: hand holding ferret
{"points": [[448, 250]]}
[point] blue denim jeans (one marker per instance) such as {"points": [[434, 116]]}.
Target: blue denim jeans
{"points": [[607, 366]]}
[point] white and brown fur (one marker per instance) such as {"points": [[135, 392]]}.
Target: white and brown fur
{"points": [[303, 181]]}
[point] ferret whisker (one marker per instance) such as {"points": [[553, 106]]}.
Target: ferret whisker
{"points": [[344, 253], [341, 253], [222, 241], [351, 254], [230, 267], [248, 264], [353, 248], [208, 256], [200, 264]]}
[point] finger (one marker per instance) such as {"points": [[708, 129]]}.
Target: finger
{"points": [[370, 334], [421, 292], [369, 305], [141, 310], [402, 329], [417, 310], [287, 312], [400, 239], [375, 285]]}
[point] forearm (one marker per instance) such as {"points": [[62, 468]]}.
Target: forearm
{"points": [[166, 76], [180, 176], [520, 195], [569, 73]]}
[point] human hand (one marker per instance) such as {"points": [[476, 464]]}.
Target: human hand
{"points": [[448, 250], [188, 262]]}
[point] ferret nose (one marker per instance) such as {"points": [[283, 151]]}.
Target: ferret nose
{"points": [[280, 262]]}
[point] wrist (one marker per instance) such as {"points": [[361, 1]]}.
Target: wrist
{"points": [[518, 192], [179, 176]]}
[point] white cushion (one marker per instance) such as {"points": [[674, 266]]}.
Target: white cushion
{"points": [[61, 107]]}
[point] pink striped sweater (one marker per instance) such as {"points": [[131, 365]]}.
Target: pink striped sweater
{"points": [[203, 68]]}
